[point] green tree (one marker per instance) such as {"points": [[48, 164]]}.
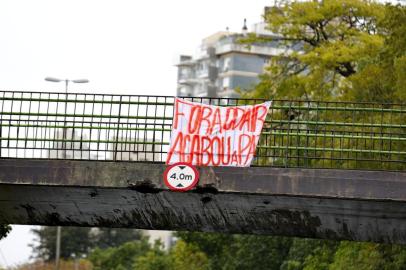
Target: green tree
{"points": [[321, 256], [185, 256], [214, 245], [182, 256], [360, 256], [345, 51], [309, 254], [382, 78], [119, 258], [227, 251], [334, 41], [78, 241], [249, 252], [154, 259], [4, 230], [112, 237], [395, 256], [74, 242]]}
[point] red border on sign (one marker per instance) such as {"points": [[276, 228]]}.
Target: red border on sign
{"points": [[181, 189]]}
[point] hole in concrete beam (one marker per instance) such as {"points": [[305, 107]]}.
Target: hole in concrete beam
{"points": [[206, 199], [206, 189], [145, 187], [93, 193]]}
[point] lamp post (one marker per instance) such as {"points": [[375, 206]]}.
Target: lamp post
{"points": [[58, 228], [52, 79]]}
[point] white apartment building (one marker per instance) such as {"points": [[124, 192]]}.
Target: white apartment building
{"points": [[223, 64]]}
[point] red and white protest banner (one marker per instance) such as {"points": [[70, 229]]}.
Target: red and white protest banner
{"points": [[207, 135]]}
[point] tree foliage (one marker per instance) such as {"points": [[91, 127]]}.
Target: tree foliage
{"points": [[185, 256], [4, 230], [227, 251], [78, 241], [81, 264], [205, 251], [120, 258], [336, 50], [153, 259], [140, 255]]}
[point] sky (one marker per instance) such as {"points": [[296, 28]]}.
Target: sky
{"points": [[121, 47]]}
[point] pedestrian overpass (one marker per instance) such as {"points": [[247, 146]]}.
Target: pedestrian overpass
{"points": [[332, 170]]}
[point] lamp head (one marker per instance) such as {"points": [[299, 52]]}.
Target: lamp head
{"points": [[81, 81], [51, 79]]}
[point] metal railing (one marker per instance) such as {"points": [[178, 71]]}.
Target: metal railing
{"points": [[308, 134]]}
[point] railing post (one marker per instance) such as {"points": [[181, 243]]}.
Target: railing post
{"points": [[64, 131], [118, 128]]}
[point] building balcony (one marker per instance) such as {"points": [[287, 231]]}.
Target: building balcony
{"points": [[210, 73], [253, 49], [243, 73], [188, 81], [184, 60]]}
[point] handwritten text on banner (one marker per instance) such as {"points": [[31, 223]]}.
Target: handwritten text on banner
{"points": [[207, 135]]}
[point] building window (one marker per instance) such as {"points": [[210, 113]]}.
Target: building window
{"points": [[227, 64], [184, 73], [226, 82]]}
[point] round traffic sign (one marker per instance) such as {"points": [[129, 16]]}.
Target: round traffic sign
{"points": [[181, 176]]}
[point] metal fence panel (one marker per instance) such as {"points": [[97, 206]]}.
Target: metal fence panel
{"points": [[307, 134]]}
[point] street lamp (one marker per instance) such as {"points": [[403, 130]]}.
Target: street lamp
{"points": [[51, 79], [59, 229]]}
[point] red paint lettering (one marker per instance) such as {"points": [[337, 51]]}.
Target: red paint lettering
{"points": [[216, 151], [194, 119], [172, 150], [205, 117]]}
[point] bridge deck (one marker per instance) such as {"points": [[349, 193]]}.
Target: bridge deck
{"points": [[319, 203]]}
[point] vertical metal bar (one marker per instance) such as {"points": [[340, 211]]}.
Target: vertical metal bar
{"points": [[64, 131], [145, 139], [154, 130], [382, 132], [108, 134], [56, 130], [100, 130], [317, 132], [287, 151], [323, 153], [88, 145], [137, 134], [118, 129], [44, 143], [353, 157], [1, 124], [19, 128], [297, 143], [73, 136], [306, 139], [9, 129], [128, 130]]}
